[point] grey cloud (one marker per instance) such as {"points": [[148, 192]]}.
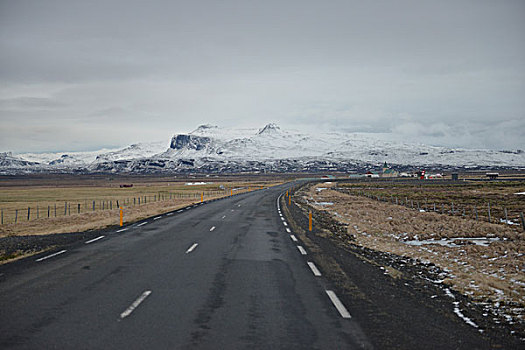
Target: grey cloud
{"points": [[162, 67]]}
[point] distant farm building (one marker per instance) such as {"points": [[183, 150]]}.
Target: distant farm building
{"points": [[126, 185], [492, 176], [388, 172]]}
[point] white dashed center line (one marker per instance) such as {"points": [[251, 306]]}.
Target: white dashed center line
{"points": [[52, 255], [293, 238], [285, 223], [223, 216], [301, 249], [190, 249], [135, 304], [288, 230], [144, 223], [122, 230], [314, 269], [94, 239], [212, 228], [338, 304]]}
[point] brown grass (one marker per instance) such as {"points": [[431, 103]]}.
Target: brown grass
{"points": [[493, 273], [33, 195]]}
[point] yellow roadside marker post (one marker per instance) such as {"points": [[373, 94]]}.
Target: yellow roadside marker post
{"points": [[121, 216], [310, 221], [290, 200], [202, 197]]}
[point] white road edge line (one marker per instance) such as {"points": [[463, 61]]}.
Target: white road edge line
{"points": [[212, 228], [314, 269], [338, 304], [190, 249], [122, 230], [223, 216], [180, 211], [135, 304], [301, 249], [158, 217], [144, 223], [288, 230], [293, 238], [52, 255], [94, 239]]}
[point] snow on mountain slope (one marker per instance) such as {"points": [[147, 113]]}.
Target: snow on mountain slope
{"points": [[64, 158], [273, 143], [214, 149], [135, 151], [79, 159]]}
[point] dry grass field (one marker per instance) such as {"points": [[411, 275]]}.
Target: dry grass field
{"points": [[85, 203], [485, 261], [469, 198]]}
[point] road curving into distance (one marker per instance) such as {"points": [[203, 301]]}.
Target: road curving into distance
{"points": [[227, 274]]}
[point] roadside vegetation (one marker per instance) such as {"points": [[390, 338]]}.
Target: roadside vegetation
{"points": [[41, 206], [479, 259]]}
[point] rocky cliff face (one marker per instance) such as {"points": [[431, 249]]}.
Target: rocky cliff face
{"points": [[182, 141]]}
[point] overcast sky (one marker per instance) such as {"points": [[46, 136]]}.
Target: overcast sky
{"points": [[81, 75]]}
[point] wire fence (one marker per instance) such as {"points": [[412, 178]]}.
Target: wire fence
{"points": [[485, 211], [48, 209]]}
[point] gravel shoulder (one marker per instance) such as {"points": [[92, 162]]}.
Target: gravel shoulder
{"points": [[402, 300]]}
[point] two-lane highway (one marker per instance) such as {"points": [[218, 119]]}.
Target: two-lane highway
{"points": [[225, 274]]}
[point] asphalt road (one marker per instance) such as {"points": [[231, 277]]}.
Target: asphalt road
{"points": [[223, 275]]}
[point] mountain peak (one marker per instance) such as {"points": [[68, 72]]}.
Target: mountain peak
{"points": [[206, 127], [269, 129]]}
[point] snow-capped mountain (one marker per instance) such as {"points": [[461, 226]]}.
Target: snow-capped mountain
{"points": [[214, 149]]}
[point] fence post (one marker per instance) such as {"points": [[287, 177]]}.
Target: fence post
{"points": [[476, 212], [69, 209], [118, 206], [452, 208], [65, 208], [506, 217], [37, 213], [522, 221], [78, 211], [434, 207], [2, 216], [28, 213], [55, 210], [490, 219], [16, 215], [48, 210]]}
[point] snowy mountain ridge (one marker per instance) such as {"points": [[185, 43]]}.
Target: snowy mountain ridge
{"points": [[211, 148]]}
